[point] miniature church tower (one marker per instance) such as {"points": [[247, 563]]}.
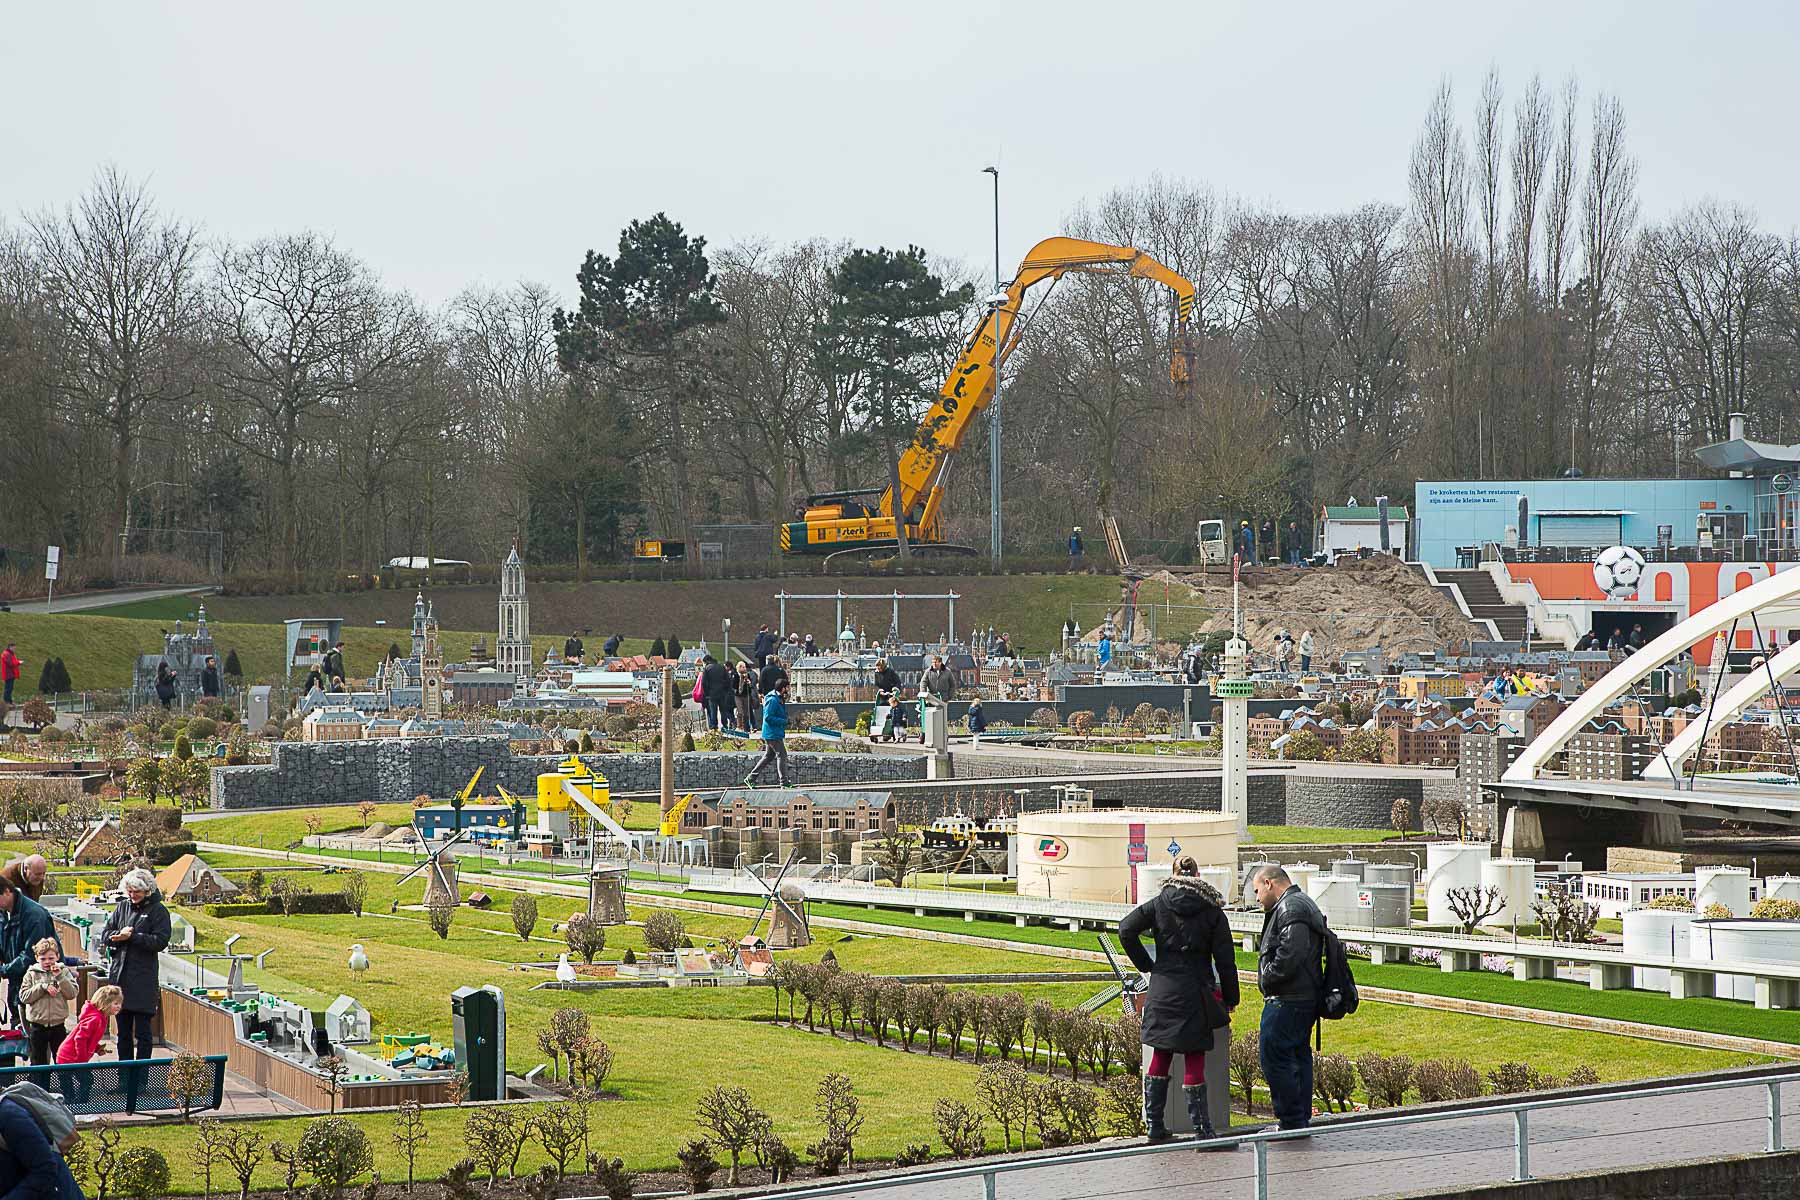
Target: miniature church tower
{"points": [[418, 626], [431, 670], [512, 650]]}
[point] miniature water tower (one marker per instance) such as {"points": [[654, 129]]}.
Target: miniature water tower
{"points": [[1235, 689]]}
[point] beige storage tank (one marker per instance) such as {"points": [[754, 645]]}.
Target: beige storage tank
{"points": [[1451, 865], [1515, 878], [1301, 875], [1729, 886], [1088, 856]]}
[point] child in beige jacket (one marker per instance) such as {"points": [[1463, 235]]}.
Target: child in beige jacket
{"points": [[48, 987]]}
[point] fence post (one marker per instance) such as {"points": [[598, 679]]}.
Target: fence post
{"points": [[1521, 1146], [1261, 1152], [987, 1185], [1774, 1116]]}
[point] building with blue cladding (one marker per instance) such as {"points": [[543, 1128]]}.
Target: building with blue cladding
{"points": [[440, 820], [1455, 517]]}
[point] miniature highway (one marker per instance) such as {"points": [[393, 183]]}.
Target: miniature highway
{"points": [[87, 600]]}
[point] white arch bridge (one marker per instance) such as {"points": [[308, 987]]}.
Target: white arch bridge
{"points": [[1548, 812]]}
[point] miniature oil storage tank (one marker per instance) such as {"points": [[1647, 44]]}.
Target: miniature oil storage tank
{"points": [[1301, 874], [1729, 886], [1223, 879], [1150, 877], [1655, 931], [1384, 905], [1089, 856], [1782, 887], [1336, 897], [1391, 873], [1450, 865], [1353, 867], [1744, 941], [1513, 876]]}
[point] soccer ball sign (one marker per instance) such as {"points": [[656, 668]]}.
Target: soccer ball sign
{"points": [[1618, 570]]}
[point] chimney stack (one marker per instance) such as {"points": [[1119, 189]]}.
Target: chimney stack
{"points": [[1736, 425]]}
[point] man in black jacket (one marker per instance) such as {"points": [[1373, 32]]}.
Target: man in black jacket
{"points": [[763, 647], [773, 674], [715, 690], [1290, 976]]}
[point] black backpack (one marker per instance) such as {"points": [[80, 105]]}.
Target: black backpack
{"points": [[1337, 997]]}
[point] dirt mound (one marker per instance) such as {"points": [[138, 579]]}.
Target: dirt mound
{"points": [[1357, 605]]}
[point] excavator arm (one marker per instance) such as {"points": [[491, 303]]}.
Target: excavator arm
{"points": [[969, 389]]}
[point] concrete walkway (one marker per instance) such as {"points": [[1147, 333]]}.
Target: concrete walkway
{"points": [[1620, 1133], [87, 600]]}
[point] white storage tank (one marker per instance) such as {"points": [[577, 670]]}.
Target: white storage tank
{"points": [[1514, 877], [1451, 865], [1150, 878], [1784, 887], [1223, 879], [1352, 867], [1384, 905], [1729, 886], [1336, 897], [1743, 941], [1247, 888], [1391, 873], [1302, 874], [1659, 933]]}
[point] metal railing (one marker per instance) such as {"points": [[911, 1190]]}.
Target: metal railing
{"points": [[132, 1086], [1519, 1111]]}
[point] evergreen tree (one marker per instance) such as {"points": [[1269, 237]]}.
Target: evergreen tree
{"points": [[674, 646], [879, 326], [657, 650], [63, 684], [394, 651], [47, 678], [233, 668]]}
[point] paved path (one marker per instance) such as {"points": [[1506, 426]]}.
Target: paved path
{"points": [[87, 600], [1464, 1152]]}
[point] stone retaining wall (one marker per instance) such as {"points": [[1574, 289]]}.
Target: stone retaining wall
{"points": [[394, 770]]}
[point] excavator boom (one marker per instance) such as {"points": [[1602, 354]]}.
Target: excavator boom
{"points": [[830, 526]]}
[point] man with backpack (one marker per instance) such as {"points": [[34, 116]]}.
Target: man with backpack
{"points": [[1291, 978], [36, 1129]]}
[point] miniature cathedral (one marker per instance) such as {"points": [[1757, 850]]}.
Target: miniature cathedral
{"points": [[513, 647]]}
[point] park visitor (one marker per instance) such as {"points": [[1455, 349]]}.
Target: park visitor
{"points": [[774, 736], [49, 986], [27, 874], [135, 935], [1290, 977], [743, 694], [1193, 988], [23, 924]]}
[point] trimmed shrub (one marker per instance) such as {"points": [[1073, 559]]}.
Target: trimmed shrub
{"points": [[165, 853], [240, 908]]}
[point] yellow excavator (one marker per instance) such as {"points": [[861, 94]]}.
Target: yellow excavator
{"points": [[861, 521]]}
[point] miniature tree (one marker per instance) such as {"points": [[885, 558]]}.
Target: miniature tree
{"points": [[409, 1135], [568, 1026], [190, 1081], [145, 778], [1246, 1067], [243, 1149], [335, 1070], [1005, 1091], [658, 650], [587, 936], [334, 1150], [37, 713], [592, 1061], [1385, 1077], [366, 811], [456, 1183], [664, 930], [1113, 717], [313, 822], [439, 915], [209, 1136], [1439, 1079], [1081, 723], [1334, 1081], [897, 853], [733, 1121], [1400, 815], [184, 748], [839, 1113], [356, 891], [494, 1138], [1475, 904], [233, 668], [1715, 912], [1304, 746], [524, 912], [1672, 903], [959, 1127], [674, 646], [698, 1164], [1770, 908], [1123, 1102], [143, 1174], [562, 1131]]}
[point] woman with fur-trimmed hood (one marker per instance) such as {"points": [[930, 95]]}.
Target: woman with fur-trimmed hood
{"points": [[1193, 987]]}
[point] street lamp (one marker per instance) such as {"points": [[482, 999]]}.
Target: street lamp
{"points": [[994, 531]]}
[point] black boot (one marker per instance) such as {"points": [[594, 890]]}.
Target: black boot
{"points": [[1199, 1114], [1156, 1096]]}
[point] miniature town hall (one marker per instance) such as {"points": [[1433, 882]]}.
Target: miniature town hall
{"points": [[186, 654]]}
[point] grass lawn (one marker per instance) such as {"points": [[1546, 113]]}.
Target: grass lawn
{"points": [[654, 1031], [100, 650]]}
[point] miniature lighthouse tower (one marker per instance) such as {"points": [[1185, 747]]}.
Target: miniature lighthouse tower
{"points": [[1234, 690]]}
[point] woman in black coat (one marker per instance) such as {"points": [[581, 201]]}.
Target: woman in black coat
{"points": [[1193, 987], [134, 935]]}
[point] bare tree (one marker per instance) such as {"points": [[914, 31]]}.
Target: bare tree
{"points": [[120, 282], [1609, 210], [1473, 905]]}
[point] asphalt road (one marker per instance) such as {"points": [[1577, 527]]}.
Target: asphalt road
{"points": [[87, 600]]}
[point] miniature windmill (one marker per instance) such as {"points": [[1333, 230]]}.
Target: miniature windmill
{"points": [[440, 874], [788, 927]]}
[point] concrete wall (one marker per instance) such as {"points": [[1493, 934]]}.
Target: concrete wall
{"points": [[1745, 1177], [394, 770]]}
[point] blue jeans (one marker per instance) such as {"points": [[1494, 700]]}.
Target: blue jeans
{"points": [[1285, 1046]]}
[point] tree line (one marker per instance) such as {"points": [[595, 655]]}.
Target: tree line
{"points": [[279, 406]]}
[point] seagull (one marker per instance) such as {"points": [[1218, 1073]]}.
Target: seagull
{"points": [[564, 972], [359, 962]]}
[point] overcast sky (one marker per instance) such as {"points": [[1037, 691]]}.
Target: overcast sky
{"points": [[449, 143]]}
